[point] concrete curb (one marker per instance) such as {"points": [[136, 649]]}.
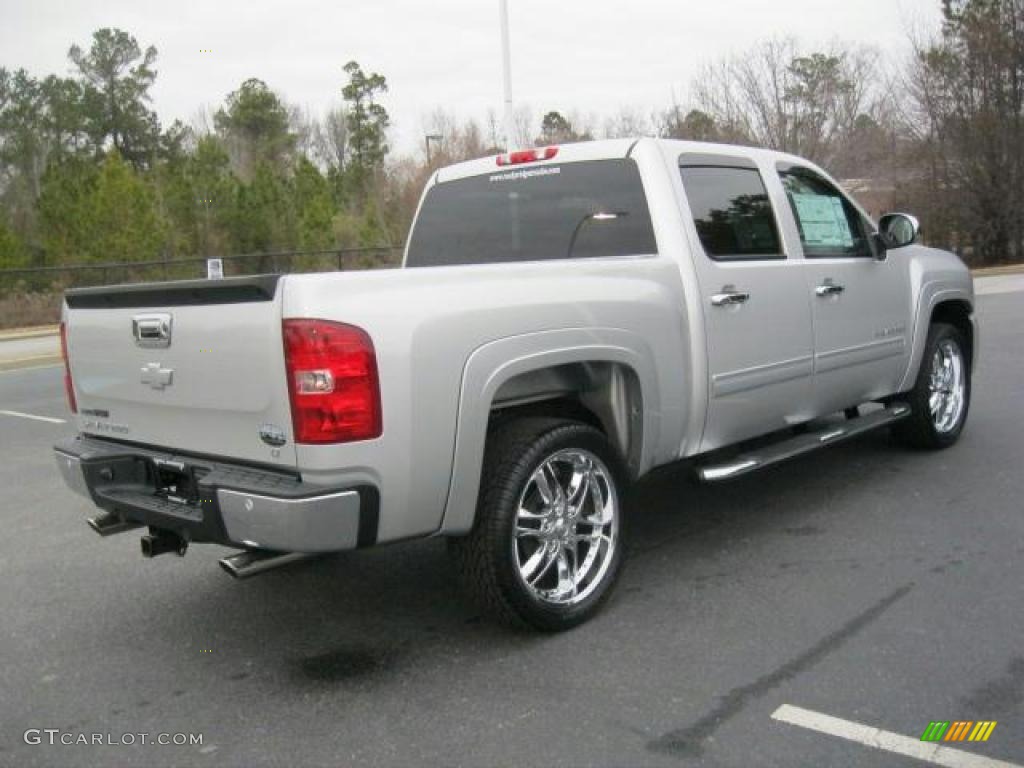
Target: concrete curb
{"points": [[29, 333], [1009, 269], [25, 363]]}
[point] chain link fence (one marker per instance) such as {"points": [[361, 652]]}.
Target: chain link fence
{"points": [[32, 296]]}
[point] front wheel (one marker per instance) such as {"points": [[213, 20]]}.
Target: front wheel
{"points": [[547, 544], [941, 395]]}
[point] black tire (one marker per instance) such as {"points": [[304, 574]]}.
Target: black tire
{"points": [[919, 430], [488, 560]]}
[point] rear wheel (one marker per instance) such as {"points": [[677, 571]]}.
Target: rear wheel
{"points": [[941, 395], [548, 540]]}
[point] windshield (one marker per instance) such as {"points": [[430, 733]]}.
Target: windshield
{"points": [[574, 210]]}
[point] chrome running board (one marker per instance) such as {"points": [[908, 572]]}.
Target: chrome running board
{"points": [[791, 447]]}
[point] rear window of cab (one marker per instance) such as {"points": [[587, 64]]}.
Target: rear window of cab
{"points": [[577, 210]]}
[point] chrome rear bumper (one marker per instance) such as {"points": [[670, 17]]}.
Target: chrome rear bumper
{"points": [[217, 501]]}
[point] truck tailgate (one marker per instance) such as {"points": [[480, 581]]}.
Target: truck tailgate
{"points": [[194, 366]]}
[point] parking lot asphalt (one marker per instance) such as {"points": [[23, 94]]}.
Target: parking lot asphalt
{"points": [[864, 582]]}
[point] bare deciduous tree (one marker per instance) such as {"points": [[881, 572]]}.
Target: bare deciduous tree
{"points": [[332, 139], [778, 96], [627, 122], [523, 129], [965, 108], [455, 140]]}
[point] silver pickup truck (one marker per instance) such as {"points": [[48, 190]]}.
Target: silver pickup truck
{"points": [[566, 319]]}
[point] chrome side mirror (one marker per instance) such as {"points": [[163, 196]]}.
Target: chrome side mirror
{"points": [[900, 229]]}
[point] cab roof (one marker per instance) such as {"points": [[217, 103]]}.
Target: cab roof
{"points": [[607, 149]]}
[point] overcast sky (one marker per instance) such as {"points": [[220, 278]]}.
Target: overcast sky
{"points": [[591, 57]]}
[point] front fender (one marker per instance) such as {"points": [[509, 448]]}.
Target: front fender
{"points": [[936, 277]]}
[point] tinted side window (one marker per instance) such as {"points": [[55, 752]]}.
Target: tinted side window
{"points": [[829, 224], [534, 213], [732, 212]]}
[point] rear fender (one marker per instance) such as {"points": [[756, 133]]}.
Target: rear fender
{"points": [[491, 365]]}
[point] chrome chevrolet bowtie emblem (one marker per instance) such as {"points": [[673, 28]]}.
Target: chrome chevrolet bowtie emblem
{"points": [[157, 377]]}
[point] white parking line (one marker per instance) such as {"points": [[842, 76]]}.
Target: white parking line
{"points": [[885, 740], [32, 416]]}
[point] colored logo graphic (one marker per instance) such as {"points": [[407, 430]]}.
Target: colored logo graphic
{"points": [[959, 730]]}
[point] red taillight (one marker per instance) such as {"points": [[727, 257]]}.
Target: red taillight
{"points": [[69, 388], [527, 156], [332, 382]]}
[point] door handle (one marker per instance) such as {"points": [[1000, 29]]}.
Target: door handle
{"points": [[829, 289], [730, 298]]}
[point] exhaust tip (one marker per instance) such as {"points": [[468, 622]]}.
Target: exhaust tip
{"points": [[108, 524], [251, 562]]}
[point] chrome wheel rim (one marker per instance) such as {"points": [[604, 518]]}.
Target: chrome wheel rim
{"points": [[567, 527], [946, 386]]}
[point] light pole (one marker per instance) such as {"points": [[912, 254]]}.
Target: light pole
{"points": [[506, 55], [432, 137]]}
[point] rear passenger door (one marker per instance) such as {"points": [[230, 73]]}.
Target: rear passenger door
{"points": [[754, 300], [860, 305]]}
